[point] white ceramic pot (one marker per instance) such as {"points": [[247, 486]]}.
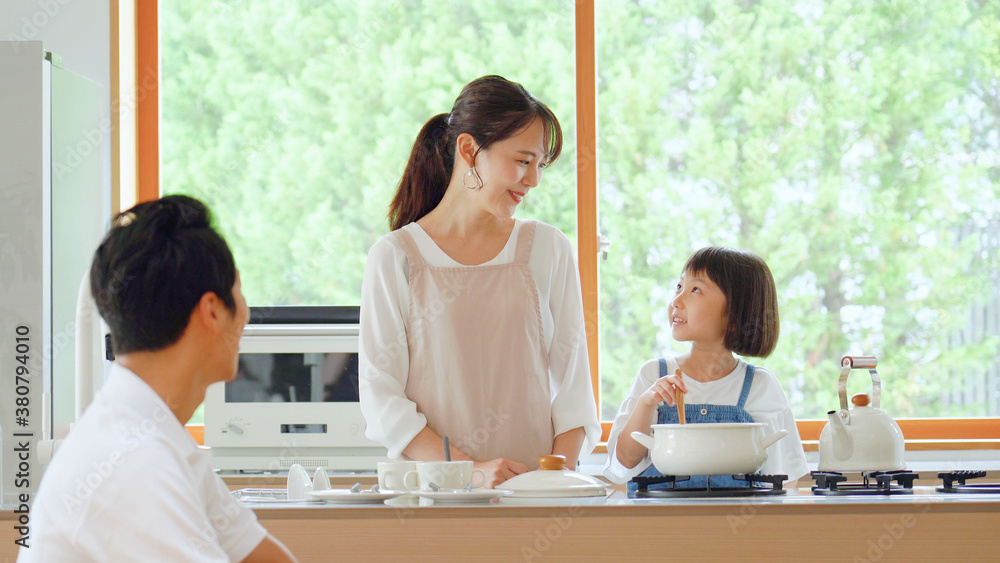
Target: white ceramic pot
{"points": [[726, 448]]}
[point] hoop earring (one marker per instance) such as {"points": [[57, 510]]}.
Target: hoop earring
{"points": [[465, 181]]}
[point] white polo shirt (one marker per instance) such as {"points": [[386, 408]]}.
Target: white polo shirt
{"points": [[129, 484]]}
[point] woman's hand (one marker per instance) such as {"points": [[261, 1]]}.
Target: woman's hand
{"points": [[663, 390], [499, 470]]}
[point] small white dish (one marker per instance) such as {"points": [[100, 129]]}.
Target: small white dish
{"points": [[475, 495], [347, 496]]}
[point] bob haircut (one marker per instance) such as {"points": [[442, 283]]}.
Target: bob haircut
{"points": [[153, 267], [491, 109], [751, 298]]}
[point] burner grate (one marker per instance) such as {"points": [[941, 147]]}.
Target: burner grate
{"points": [[873, 483], [952, 477], [643, 483]]}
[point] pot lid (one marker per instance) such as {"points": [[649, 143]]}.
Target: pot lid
{"points": [[552, 479]]}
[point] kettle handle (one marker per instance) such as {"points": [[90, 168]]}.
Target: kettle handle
{"points": [[848, 363]]}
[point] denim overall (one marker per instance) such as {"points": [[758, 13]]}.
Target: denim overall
{"points": [[702, 414]]}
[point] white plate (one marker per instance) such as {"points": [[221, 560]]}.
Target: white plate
{"points": [[347, 496], [475, 495]]}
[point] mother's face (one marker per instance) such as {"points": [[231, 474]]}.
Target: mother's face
{"points": [[511, 168]]}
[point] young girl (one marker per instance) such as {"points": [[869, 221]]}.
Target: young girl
{"points": [[725, 303]]}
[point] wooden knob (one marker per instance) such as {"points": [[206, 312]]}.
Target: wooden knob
{"points": [[552, 462], [861, 400]]}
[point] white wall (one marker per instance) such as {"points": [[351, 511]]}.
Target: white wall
{"points": [[79, 31]]}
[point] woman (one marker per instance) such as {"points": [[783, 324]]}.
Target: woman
{"points": [[472, 320]]}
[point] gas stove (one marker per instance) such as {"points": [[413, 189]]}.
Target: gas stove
{"points": [[759, 485], [831, 483], [955, 482]]}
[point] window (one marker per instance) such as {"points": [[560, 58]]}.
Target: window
{"points": [[854, 146], [294, 120]]}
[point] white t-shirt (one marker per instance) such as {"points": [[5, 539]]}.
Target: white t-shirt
{"points": [[766, 403], [129, 484], [393, 420]]}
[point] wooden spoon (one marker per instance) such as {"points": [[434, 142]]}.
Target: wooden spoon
{"points": [[679, 398]]}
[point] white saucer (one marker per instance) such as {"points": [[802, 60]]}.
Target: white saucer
{"points": [[475, 495], [347, 496]]}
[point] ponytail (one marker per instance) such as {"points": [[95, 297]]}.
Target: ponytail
{"points": [[426, 176]]}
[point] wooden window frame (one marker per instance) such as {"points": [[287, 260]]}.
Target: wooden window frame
{"points": [[921, 433]]}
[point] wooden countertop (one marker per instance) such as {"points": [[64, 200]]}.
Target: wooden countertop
{"points": [[925, 526]]}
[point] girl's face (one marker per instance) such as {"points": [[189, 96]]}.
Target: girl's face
{"points": [[698, 310], [511, 168]]}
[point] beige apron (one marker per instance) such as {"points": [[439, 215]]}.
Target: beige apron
{"points": [[479, 370]]}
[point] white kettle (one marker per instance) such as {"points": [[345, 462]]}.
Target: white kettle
{"points": [[863, 438]]}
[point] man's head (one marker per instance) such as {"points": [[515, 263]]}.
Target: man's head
{"points": [[154, 266]]}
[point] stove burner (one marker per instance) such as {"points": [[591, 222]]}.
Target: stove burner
{"points": [[643, 482], [832, 483], [950, 478]]}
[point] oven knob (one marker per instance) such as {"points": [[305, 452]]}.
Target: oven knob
{"points": [[234, 428]]}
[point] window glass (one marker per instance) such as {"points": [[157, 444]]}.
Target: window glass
{"points": [[294, 120], [854, 146]]}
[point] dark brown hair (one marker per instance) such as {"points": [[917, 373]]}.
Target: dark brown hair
{"points": [[490, 109], [751, 297], [152, 268]]}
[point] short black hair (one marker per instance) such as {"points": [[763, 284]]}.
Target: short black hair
{"points": [[751, 297], [154, 265]]}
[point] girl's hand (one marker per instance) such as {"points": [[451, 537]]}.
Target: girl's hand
{"points": [[663, 390], [499, 470]]}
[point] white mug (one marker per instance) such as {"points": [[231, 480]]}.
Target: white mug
{"points": [[391, 474], [445, 474]]}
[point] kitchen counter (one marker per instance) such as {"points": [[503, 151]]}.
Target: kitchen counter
{"points": [[924, 526]]}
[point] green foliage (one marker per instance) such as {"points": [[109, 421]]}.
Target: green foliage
{"points": [[852, 145], [294, 120], [831, 138]]}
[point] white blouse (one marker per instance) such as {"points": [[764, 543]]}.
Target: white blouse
{"points": [[766, 403], [393, 420]]}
